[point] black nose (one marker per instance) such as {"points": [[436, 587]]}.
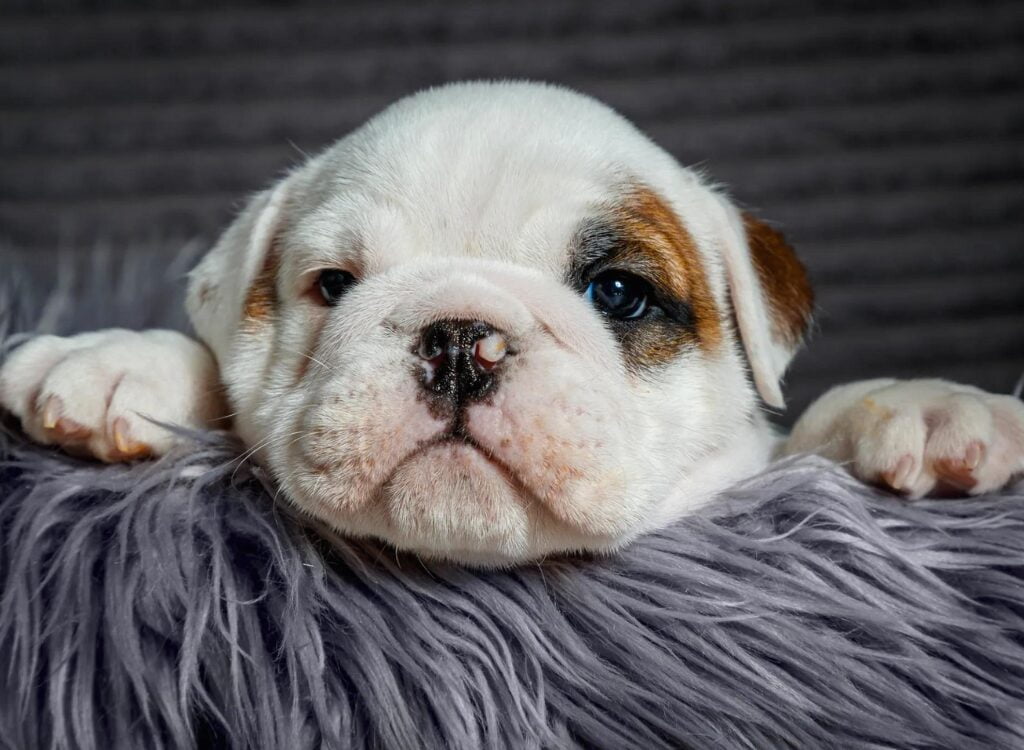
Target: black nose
{"points": [[461, 359]]}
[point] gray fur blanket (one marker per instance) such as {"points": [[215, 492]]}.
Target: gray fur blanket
{"points": [[175, 604]]}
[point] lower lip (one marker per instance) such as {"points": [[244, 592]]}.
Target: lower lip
{"points": [[456, 446], [465, 453]]}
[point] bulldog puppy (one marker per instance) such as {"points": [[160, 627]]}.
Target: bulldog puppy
{"points": [[493, 323]]}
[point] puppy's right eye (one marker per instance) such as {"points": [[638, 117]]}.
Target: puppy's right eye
{"points": [[333, 283]]}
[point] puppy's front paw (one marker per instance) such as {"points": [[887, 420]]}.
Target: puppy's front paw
{"points": [[921, 437], [94, 394]]}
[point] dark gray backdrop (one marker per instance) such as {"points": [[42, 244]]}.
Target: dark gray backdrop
{"points": [[884, 137]]}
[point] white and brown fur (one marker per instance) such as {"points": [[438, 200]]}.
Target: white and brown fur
{"points": [[497, 203]]}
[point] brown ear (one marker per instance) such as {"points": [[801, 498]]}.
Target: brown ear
{"points": [[771, 297], [784, 281]]}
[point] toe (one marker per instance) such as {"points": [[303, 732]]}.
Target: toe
{"points": [[61, 428], [889, 450], [1004, 460], [959, 471]]}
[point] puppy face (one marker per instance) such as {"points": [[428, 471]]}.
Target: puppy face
{"points": [[497, 322]]}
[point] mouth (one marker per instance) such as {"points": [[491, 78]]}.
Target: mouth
{"points": [[457, 439]]}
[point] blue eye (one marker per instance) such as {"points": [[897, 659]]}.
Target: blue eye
{"points": [[620, 295], [333, 283]]}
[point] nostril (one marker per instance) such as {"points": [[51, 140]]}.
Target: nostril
{"points": [[432, 350], [490, 350], [432, 344]]}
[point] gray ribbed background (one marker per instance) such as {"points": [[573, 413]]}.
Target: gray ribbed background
{"points": [[885, 137]]}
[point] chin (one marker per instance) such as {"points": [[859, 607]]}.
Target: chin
{"points": [[450, 496]]}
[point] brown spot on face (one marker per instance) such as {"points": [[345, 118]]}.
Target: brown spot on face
{"points": [[261, 299], [642, 235], [783, 279]]}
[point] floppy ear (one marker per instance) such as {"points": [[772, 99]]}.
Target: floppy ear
{"points": [[771, 297], [220, 284]]}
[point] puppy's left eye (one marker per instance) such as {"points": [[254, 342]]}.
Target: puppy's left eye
{"points": [[620, 295], [333, 283]]}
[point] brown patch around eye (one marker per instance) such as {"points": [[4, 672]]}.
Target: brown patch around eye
{"points": [[261, 300], [783, 278], [645, 237]]}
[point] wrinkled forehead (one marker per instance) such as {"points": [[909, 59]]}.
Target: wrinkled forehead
{"points": [[511, 177], [514, 211]]}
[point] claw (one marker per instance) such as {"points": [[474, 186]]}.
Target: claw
{"points": [[959, 472], [126, 447], [899, 477], [51, 412], [974, 454], [63, 428]]}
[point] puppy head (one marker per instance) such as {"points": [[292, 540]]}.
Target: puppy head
{"points": [[496, 322]]}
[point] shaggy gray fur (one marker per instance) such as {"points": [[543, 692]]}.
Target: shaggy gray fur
{"points": [[175, 604]]}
